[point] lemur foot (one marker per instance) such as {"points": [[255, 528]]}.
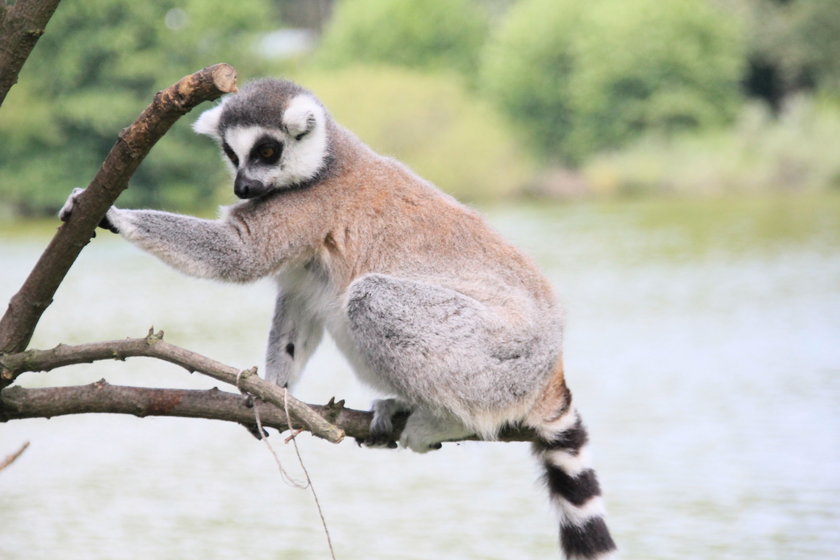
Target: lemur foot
{"points": [[69, 204], [382, 425], [425, 430]]}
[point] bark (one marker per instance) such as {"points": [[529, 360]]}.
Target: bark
{"points": [[213, 404], [133, 144], [21, 25]]}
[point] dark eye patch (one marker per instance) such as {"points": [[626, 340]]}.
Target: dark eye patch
{"points": [[230, 154], [267, 150]]}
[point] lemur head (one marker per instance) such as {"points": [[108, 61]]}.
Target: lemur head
{"points": [[273, 134]]}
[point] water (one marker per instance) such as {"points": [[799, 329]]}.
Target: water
{"points": [[703, 349]]}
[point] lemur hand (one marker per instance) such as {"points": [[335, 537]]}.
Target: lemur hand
{"points": [[67, 209]]}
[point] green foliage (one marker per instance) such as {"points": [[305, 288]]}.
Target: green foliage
{"points": [[582, 77], [811, 45], [793, 152], [96, 67], [429, 122], [432, 34], [793, 45]]}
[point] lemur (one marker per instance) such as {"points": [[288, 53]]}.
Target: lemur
{"points": [[426, 301]]}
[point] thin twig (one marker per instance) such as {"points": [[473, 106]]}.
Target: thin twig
{"points": [[13, 457], [309, 480]]}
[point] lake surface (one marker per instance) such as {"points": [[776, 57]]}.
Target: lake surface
{"points": [[703, 349]]}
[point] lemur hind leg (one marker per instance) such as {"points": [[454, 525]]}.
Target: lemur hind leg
{"points": [[294, 336], [433, 347]]}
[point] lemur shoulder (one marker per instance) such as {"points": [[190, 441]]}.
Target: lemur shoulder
{"points": [[429, 305]]}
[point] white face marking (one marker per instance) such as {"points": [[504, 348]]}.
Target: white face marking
{"points": [[304, 138], [241, 140]]}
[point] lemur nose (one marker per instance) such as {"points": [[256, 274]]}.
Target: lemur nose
{"points": [[244, 187]]}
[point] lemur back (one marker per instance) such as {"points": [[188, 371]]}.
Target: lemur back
{"points": [[427, 302]]}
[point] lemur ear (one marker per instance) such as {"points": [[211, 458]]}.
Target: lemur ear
{"points": [[302, 116], [208, 122]]}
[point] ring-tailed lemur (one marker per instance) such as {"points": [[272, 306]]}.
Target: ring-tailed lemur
{"points": [[426, 301]]}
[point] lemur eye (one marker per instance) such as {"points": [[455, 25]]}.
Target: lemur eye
{"points": [[266, 151], [230, 154]]}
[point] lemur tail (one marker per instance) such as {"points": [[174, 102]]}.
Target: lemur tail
{"points": [[573, 487]]}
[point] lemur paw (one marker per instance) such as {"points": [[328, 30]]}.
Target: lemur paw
{"points": [[69, 204], [382, 425], [67, 209], [419, 438], [425, 430]]}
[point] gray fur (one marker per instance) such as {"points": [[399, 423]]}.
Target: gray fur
{"points": [[294, 336], [261, 103]]}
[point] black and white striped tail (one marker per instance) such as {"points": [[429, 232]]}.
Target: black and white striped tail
{"points": [[574, 489]]}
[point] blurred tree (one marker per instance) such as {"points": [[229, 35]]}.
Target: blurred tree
{"points": [[809, 50], [794, 46], [93, 71], [430, 122], [583, 77], [433, 34]]}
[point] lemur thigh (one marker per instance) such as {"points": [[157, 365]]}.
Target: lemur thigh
{"points": [[203, 248], [436, 348], [294, 336]]}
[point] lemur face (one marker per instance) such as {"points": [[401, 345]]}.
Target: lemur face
{"points": [[253, 154], [263, 154]]}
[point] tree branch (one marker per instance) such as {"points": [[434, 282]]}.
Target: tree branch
{"points": [[153, 346], [27, 306], [213, 404], [21, 25], [101, 397]]}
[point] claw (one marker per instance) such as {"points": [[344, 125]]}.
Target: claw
{"points": [[254, 431], [383, 441]]}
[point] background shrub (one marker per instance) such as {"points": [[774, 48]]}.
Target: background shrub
{"points": [[92, 72], [583, 77], [431, 123], [794, 151], [432, 34]]}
